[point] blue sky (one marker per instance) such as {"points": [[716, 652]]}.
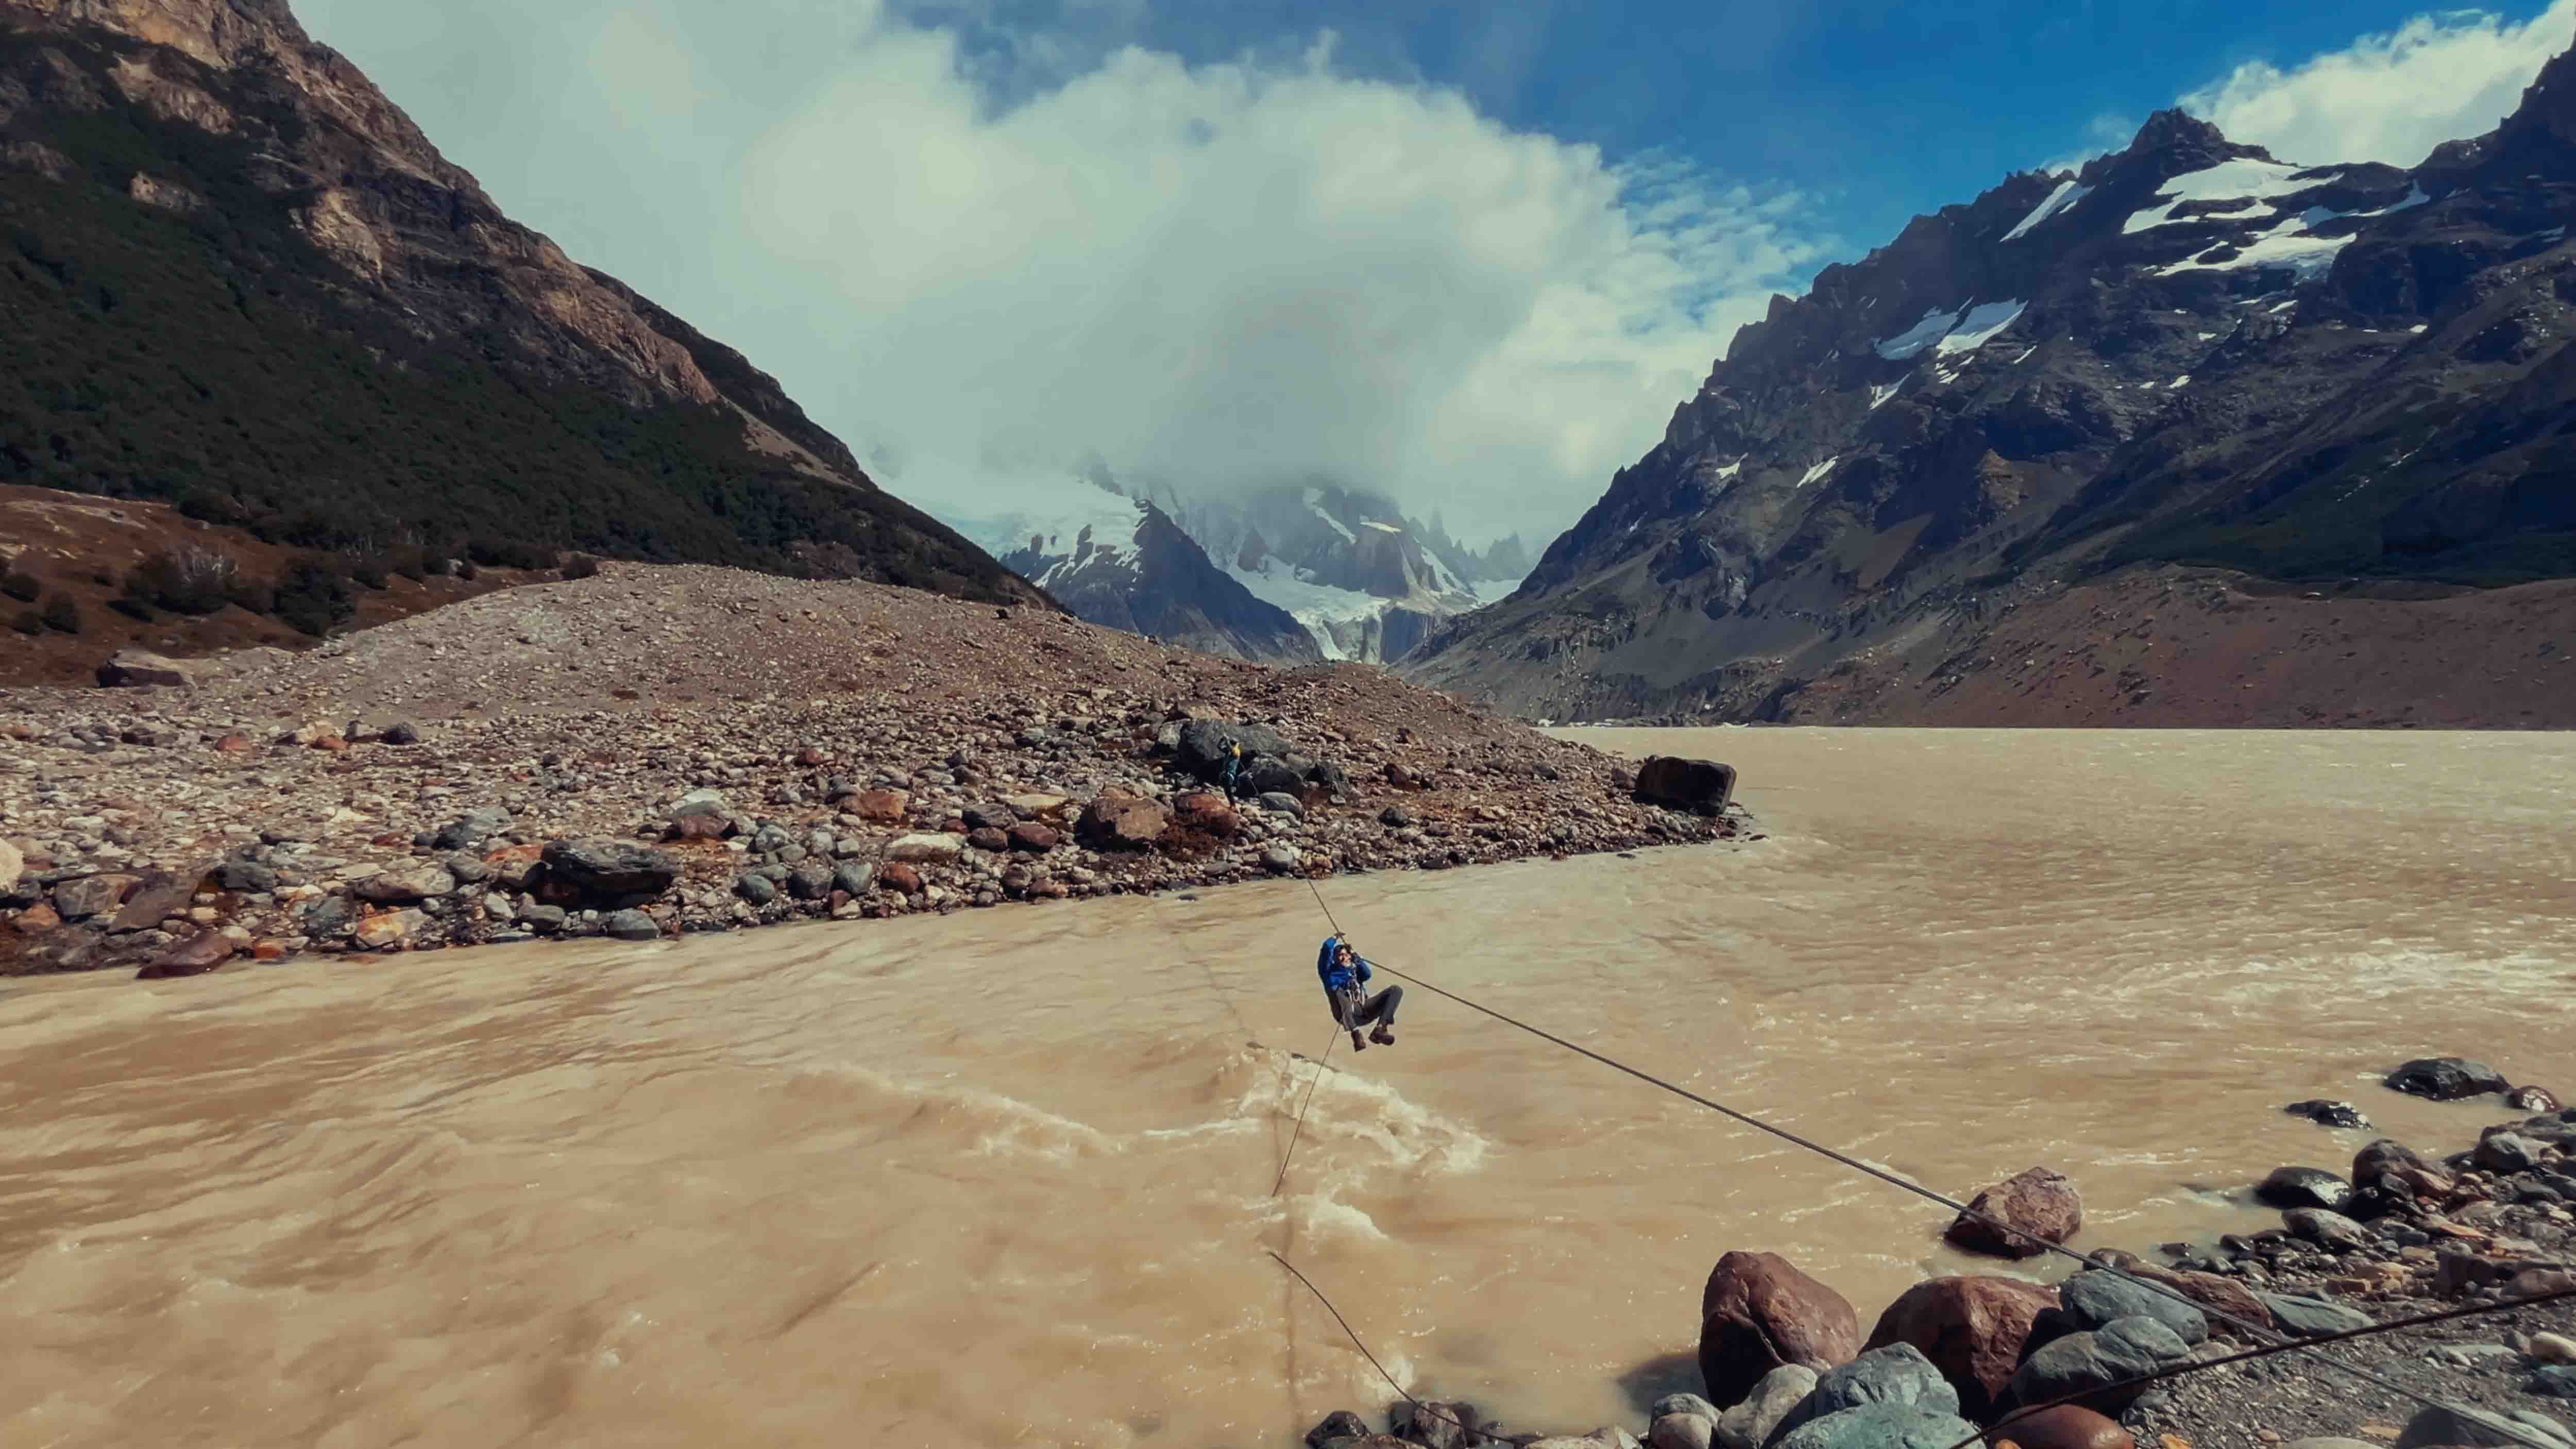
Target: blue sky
{"points": [[1472, 256]]}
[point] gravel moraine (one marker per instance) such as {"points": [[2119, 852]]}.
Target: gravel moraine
{"points": [[690, 748]]}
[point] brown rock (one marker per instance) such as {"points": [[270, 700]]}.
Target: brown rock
{"points": [[234, 744], [1207, 811], [880, 807], [403, 884], [2531, 1099], [699, 827], [384, 930], [160, 897], [514, 867], [894, 875], [1118, 820], [1757, 1313], [1034, 839], [311, 733], [2533, 1282], [1972, 1328], [268, 951], [193, 957], [38, 917], [810, 757], [332, 744], [988, 839], [2040, 1206], [2068, 1426], [78, 900]]}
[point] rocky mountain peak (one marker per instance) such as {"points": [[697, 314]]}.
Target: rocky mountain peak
{"points": [[2548, 105], [2175, 130], [2188, 349]]}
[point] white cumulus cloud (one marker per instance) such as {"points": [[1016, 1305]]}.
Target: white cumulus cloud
{"points": [[1224, 274], [2390, 97]]}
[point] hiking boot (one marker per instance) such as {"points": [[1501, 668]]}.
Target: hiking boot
{"points": [[1382, 1037], [1357, 1044]]}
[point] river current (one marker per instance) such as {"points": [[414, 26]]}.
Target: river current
{"points": [[1004, 1177]]}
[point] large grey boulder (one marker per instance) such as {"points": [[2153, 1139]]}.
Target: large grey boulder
{"points": [[473, 830], [611, 867], [1703, 787], [2304, 1187], [1201, 748], [1896, 1374], [2446, 1079], [2095, 1299], [631, 926], [2326, 1229], [2304, 1317], [2081, 1363], [2506, 1152], [405, 884], [1681, 1431], [140, 668], [1880, 1426], [2448, 1424], [1749, 1425]]}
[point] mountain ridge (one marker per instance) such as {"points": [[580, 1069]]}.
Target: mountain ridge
{"points": [[2183, 353], [304, 320]]}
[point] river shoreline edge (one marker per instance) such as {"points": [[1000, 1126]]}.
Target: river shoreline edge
{"points": [[1786, 1366], [153, 833]]}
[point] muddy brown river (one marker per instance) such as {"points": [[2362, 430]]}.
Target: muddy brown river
{"points": [[1004, 1178]]}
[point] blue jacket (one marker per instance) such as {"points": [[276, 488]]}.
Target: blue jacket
{"points": [[1336, 977]]}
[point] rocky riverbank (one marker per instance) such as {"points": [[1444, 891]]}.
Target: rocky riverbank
{"points": [[1784, 1363], [660, 750]]}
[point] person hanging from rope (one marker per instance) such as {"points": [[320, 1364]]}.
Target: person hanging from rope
{"points": [[1346, 978]]}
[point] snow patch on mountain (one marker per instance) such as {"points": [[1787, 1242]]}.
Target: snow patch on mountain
{"points": [[2068, 193], [1050, 519], [1980, 324], [1315, 506], [1936, 324], [2290, 244], [1963, 330], [2247, 182]]}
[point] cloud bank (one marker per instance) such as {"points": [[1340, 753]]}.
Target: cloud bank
{"points": [[969, 262], [2392, 97]]}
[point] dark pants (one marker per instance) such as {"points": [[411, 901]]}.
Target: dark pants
{"points": [[1354, 1013]]}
